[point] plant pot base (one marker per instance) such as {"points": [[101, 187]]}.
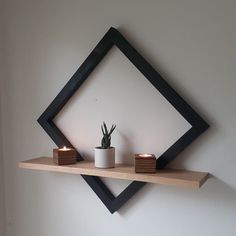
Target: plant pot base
{"points": [[110, 167]]}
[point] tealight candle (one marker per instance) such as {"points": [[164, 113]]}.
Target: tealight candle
{"points": [[145, 163], [64, 149], [64, 156], [145, 155]]}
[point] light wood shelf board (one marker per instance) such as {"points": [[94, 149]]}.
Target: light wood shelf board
{"points": [[181, 178]]}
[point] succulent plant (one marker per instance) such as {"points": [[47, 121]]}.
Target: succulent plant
{"points": [[106, 139]]}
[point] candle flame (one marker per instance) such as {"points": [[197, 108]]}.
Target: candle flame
{"points": [[64, 148]]}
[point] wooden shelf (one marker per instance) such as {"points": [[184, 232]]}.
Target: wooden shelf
{"points": [[172, 177]]}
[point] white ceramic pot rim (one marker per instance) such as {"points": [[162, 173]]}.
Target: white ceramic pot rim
{"points": [[104, 148]]}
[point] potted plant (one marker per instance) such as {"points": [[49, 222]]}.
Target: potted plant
{"points": [[105, 154]]}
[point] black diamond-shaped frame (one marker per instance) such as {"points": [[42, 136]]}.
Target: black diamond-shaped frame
{"points": [[113, 37]]}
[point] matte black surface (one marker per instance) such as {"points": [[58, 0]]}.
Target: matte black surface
{"points": [[113, 37]]}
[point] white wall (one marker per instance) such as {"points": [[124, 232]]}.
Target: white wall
{"points": [[2, 211], [2, 208], [191, 43]]}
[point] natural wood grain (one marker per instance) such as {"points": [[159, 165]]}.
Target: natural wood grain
{"points": [[172, 177]]}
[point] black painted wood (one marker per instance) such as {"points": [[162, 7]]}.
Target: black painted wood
{"points": [[114, 38]]}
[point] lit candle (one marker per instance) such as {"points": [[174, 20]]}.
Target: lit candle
{"points": [[145, 163], [64, 149], [145, 155], [64, 156]]}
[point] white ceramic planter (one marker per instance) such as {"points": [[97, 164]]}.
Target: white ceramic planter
{"points": [[104, 158]]}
